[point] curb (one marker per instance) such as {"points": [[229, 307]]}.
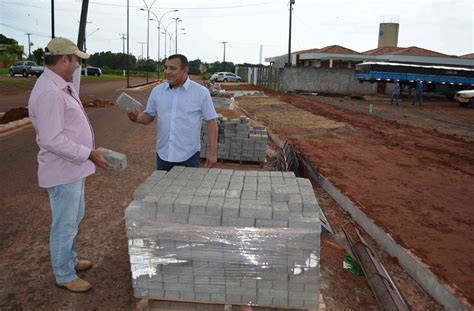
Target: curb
{"points": [[14, 126]]}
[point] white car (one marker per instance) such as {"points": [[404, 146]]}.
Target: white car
{"points": [[465, 98], [225, 77]]}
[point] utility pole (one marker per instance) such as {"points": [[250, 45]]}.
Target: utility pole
{"points": [[289, 34], [123, 37], [29, 45], [81, 37], [52, 19], [128, 44], [223, 62], [261, 53]]}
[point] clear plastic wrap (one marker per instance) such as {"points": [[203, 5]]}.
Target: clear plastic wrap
{"points": [[277, 266]]}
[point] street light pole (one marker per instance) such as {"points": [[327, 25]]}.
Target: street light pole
{"points": [[223, 63], [181, 34], [148, 8], [142, 43], [176, 34], [166, 33], [159, 19], [289, 34]]}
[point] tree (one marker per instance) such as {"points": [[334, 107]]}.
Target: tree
{"points": [[5, 40], [110, 60], [11, 52], [38, 56], [194, 67]]}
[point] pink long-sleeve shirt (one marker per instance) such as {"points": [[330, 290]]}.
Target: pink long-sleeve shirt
{"points": [[63, 131]]}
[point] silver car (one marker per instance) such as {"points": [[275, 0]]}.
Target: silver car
{"points": [[465, 98], [225, 77]]}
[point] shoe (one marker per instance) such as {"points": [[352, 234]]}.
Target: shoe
{"points": [[77, 286], [83, 264]]}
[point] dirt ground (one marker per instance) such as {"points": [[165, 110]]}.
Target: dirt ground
{"points": [[26, 279], [409, 169]]}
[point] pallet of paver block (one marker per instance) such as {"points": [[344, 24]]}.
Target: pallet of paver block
{"points": [[237, 140], [225, 236], [157, 305]]}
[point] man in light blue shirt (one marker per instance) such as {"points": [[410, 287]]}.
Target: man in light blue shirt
{"points": [[180, 106], [395, 93]]}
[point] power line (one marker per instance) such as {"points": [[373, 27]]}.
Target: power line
{"points": [[191, 8], [25, 30]]}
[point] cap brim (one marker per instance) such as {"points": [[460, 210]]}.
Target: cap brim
{"points": [[81, 54]]}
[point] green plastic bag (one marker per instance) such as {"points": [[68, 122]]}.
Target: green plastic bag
{"points": [[352, 265]]}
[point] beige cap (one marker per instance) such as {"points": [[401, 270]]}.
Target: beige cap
{"points": [[63, 46]]}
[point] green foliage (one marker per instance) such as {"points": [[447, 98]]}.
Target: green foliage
{"points": [[219, 66], [145, 65], [111, 60], [194, 67], [5, 40], [38, 56]]}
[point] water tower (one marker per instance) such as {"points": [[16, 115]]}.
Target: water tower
{"points": [[388, 34]]}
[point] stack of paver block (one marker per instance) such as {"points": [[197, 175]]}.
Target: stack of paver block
{"points": [[237, 140], [225, 236]]}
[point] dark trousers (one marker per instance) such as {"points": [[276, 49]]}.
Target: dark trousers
{"points": [[193, 161]]}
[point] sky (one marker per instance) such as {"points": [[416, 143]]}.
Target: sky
{"points": [[445, 26]]}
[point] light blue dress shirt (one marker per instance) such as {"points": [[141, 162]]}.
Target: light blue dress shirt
{"points": [[180, 112]]}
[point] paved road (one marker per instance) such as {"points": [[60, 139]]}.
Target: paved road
{"points": [[18, 185], [108, 89]]}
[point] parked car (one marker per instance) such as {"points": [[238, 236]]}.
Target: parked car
{"points": [[225, 77], [465, 98], [92, 71], [26, 68]]}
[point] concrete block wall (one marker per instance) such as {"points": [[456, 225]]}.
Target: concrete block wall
{"points": [[226, 236], [237, 140], [327, 80]]}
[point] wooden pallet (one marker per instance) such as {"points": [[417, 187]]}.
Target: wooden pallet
{"points": [[146, 304]]}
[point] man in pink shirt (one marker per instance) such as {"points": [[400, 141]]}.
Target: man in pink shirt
{"points": [[66, 157]]}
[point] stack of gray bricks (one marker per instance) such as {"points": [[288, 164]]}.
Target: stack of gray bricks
{"points": [[237, 140], [225, 236]]}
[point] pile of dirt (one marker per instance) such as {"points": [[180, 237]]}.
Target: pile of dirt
{"points": [[228, 113], [98, 103], [14, 114]]}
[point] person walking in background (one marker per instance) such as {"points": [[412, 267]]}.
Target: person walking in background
{"points": [[418, 95], [66, 156], [180, 105], [395, 93]]}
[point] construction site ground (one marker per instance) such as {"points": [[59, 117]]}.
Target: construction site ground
{"points": [[408, 168], [417, 190]]}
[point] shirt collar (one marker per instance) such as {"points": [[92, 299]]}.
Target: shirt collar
{"points": [[59, 81], [185, 84]]}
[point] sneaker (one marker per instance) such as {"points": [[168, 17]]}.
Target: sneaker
{"points": [[83, 264], [77, 286]]}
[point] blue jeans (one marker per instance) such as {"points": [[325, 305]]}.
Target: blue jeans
{"points": [[417, 97], [67, 211], [193, 161], [394, 97]]}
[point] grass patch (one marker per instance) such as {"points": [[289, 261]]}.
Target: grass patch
{"points": [[17, 83], [102, 77], [4, 71]]}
